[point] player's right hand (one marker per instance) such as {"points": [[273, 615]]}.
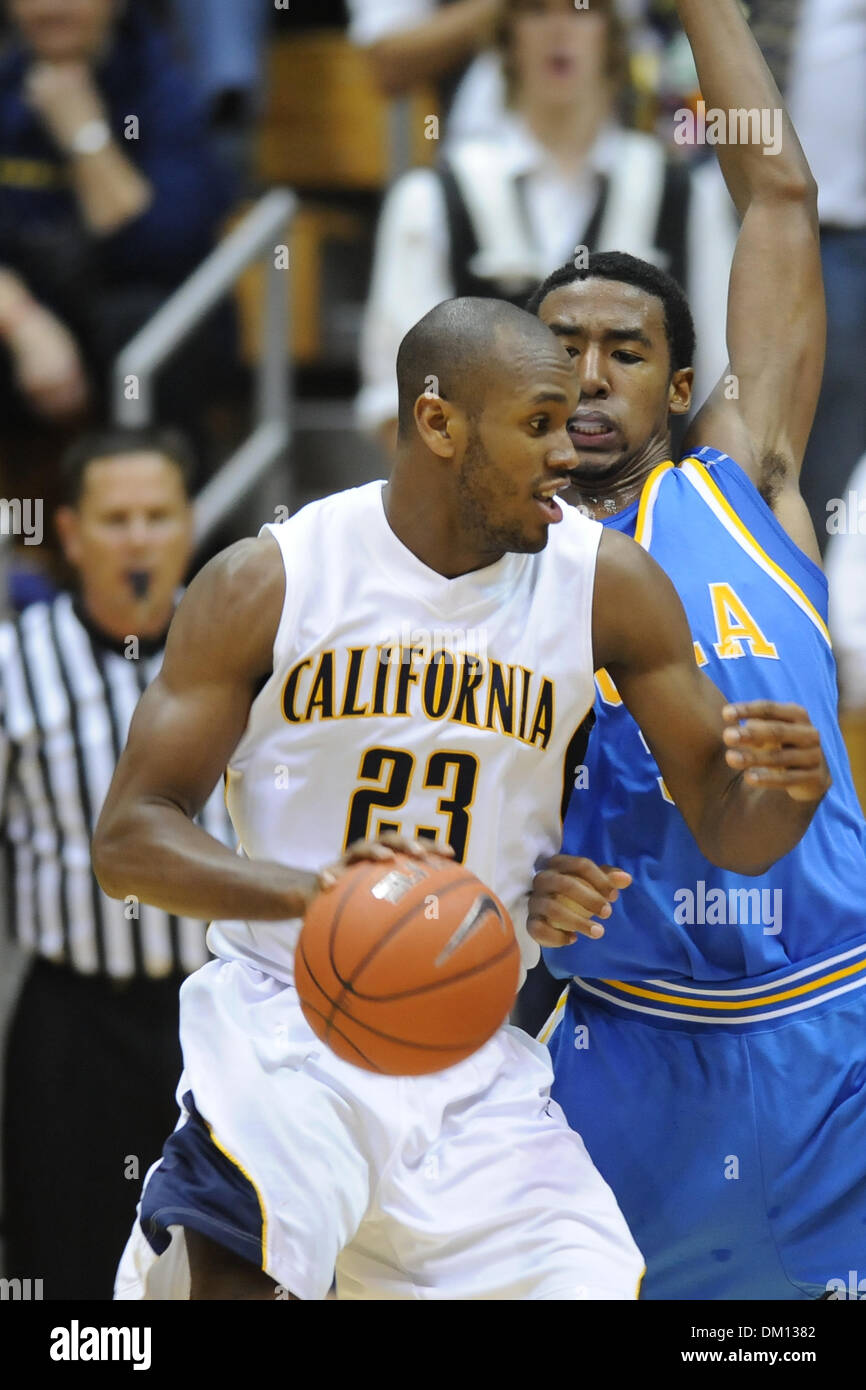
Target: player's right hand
{"points": [[388, 846], [568, 894]]}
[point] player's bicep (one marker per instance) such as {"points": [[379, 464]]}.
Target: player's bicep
{"points": [[642, 637], [680, 715], [179, 743], [776, 331]]}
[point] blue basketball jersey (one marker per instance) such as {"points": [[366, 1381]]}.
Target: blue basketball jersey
{"points": [[757, 607]]}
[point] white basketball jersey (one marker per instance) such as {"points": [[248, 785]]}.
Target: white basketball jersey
{"points": [[401, 700]]}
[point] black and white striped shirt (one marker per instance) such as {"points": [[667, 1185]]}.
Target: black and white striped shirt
{"points": [[67, 695]]}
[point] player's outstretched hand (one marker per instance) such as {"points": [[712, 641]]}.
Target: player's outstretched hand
{"points": [[776, 746], [567, 894], [388, 846]]}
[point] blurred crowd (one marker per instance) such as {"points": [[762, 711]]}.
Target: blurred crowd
{"points": [[438, 148]]}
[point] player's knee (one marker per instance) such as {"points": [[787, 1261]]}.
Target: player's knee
{"points": [[216, 1272]]}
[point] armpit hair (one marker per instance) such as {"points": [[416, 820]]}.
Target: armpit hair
{"points": [[774, 471]]}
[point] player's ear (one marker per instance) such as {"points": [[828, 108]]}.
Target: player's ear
{"points": [[680, 391], [437, 422]]}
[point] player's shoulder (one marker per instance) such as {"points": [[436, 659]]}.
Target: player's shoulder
{"points": [[344, 503], [247, 582], [243, 580]]}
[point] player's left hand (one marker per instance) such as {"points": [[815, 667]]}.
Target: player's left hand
{"points": [[568, 894], [776, 746]]}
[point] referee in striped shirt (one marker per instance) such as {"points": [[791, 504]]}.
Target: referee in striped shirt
{"points": [[92, 1058]]}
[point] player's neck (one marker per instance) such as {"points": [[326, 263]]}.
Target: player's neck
{"points": [[432, 535], [603, 498], [568, 132]]}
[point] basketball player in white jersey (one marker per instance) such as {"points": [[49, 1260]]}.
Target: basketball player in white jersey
{"points": [[304, 662]]}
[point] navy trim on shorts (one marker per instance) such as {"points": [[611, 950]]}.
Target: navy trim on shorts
{"points": [[197, 1186]]}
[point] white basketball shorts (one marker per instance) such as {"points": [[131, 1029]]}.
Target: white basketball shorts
{"points": [[467, 1184]]}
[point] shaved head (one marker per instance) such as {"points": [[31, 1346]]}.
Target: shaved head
{"points": [[463, 347]]}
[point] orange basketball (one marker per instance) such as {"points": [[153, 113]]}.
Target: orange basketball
{"points": [[406, 967]]}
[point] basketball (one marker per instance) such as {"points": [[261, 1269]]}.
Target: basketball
{"points": [[406, 967]]}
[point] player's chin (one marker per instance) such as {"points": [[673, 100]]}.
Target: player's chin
{"points": [[533, 544], [597, 467]]}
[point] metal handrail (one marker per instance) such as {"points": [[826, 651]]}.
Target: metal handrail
{"points": [[257, 236]]}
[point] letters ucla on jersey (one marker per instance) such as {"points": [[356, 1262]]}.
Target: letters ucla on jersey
{"points": [[402, 700], [757, 608]]}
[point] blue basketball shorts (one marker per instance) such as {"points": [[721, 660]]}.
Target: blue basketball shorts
{"points": [[730, 1123]]}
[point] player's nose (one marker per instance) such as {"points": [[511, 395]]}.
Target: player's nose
{"points": [[592, 374], [560, 454]]}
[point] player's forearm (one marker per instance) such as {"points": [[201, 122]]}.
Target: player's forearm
{"points": [[747, 829], [734, 76], [430, 50], [159, 856]]}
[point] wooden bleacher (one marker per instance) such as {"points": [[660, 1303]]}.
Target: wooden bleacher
{"points": [[325, 131]]}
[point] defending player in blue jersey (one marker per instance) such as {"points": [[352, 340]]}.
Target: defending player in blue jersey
{"points": [[711, 1045]]}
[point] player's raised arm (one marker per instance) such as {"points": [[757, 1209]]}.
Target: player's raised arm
{"points": [[747, 778], [776, 326]]}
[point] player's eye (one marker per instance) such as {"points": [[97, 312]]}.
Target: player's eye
{"points": [[572, 351], [539, 424], [629, 358]]}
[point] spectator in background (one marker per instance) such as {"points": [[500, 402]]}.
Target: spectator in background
{"points": [[439, 42], [827, 101], [846, 576], [92, 1055], [109, 197], [223, 43], [499, 214]]}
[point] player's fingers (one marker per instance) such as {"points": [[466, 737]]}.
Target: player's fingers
{"points": [[773, 757], [782, 777], [771, 731], [766, 709], [546, 934], [620, 878], [564, 916], [578, 867], [420, 848], [368, 849], [575, 891]]}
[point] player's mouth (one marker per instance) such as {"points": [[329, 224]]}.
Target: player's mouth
{"points": [[545, 497], [591, 430]]}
